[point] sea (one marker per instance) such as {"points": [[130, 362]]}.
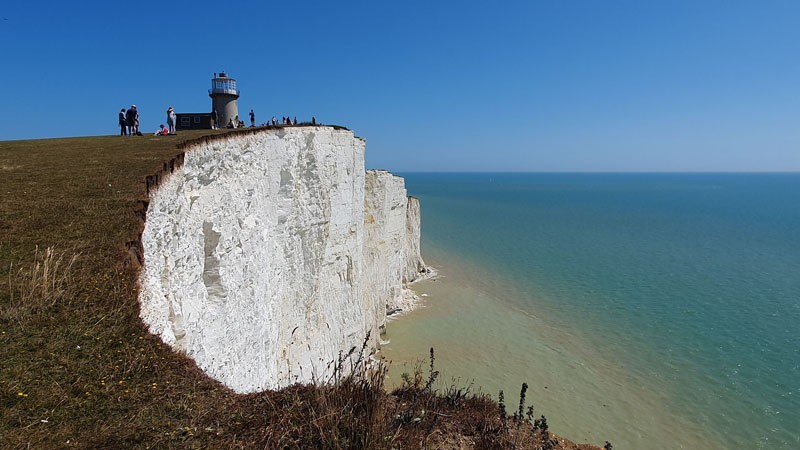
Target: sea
{"points": [[655, 311]]}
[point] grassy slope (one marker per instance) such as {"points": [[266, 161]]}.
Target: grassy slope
{"points": [[88, 366], [78, 369]]}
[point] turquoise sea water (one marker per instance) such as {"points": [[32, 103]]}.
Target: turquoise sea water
{"points": [[652, 310]]}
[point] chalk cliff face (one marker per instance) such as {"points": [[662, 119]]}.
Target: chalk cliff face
{"points": [[392, 244], [267, 255]]}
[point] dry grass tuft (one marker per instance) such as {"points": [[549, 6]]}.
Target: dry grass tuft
{"points": [[35, 288], [346, 411]]}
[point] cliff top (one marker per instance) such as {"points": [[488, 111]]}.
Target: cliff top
{"points": [[79, 369]]}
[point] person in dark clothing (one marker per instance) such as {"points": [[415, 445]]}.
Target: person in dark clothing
{"points": [[214, 119], [252, 118], [130, 117], [123, 125]]}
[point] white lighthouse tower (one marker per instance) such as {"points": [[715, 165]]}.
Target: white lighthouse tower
{"points": [[223, 95]]}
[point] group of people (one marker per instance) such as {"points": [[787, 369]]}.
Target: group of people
{"points": [[284, 121], [235, 122], [171, 120], [129, 121]]}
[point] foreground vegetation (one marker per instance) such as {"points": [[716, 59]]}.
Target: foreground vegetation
{"points": [[78, 368]]}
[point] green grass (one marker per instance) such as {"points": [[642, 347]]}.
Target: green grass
{"points": [[78, 369]]}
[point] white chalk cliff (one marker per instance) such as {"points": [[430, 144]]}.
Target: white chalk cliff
{"points": [[267, 255]]}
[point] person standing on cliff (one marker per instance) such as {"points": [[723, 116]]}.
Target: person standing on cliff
{"points": [[129, 120], [171, 120], [252, 118], [123, 125], [214, 119], [135, 116]]}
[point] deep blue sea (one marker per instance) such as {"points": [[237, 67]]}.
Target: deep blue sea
{"points": [[657, 311]]}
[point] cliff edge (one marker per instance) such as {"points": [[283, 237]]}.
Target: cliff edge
{"points": [[269, 254]]}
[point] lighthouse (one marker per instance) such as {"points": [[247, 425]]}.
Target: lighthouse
{"points": [[223, 95]]}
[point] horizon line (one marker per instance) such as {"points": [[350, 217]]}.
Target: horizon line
{"points": [[608, 172]]}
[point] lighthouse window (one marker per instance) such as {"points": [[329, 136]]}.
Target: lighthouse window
{"points": [[224, 85]]}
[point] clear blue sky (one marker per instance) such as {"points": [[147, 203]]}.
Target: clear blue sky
{"points": [[595, 85]]}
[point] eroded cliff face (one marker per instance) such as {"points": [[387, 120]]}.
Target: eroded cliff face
{"points": [[267, 255], [392, 225]]}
